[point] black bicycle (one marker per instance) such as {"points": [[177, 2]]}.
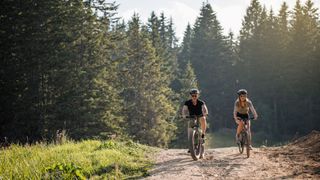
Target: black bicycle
{"points": [[244, 139], [195, 141]]}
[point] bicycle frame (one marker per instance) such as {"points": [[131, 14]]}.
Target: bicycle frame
{"points": [[244, 137], [245, 127], [194, 122]]}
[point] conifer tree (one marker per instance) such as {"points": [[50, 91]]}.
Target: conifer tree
{"points": [[184, 55], [210, 57], [188, 81], [148, 105]]}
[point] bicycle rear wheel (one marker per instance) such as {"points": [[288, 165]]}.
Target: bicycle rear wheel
{"points": [[195, 145]]}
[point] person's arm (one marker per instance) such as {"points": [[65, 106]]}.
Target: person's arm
{"points": [[204, 110], [235, 112], [253, 110], [185, 111]]}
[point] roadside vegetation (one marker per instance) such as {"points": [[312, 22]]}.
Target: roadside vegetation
{"points": [[76, 160], [226, 138]]}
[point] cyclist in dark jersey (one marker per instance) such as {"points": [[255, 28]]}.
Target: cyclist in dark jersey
{"points": [[196, 107]]}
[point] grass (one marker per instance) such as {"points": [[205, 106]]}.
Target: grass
{"points": [[76, 160], [226, 138]]}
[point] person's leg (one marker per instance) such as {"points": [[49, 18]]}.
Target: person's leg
{"points": [[189, 130], [203, 124], [239, 129]]}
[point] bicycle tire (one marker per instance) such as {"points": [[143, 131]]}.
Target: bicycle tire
{"points": [[247, 146], [241, 144], [194, 145], [248, 151], [241, 147]]}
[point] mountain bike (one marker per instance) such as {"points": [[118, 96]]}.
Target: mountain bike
{"points": [[195, 141], [244, 139]]}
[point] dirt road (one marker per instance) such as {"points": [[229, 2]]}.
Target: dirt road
{"points": [[227, 163]]}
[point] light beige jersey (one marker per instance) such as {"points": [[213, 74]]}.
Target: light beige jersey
{"points": [[244, 110]]}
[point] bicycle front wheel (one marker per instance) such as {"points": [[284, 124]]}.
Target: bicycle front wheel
{"points": [[195, 145], [241, 147], [247, 146], [241, 143]]}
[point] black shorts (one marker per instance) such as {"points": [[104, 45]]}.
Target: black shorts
{"points": [[244, 117]]}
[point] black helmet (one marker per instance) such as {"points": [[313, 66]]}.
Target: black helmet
{"points": [[242, 91], [194, 91]]}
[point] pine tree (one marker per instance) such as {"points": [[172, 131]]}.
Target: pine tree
{"points": [[248, 42], [61, 80], [172, 39], [147, 105], [280, 87], [303, 63], [188, 81], [184, 55], [210, 57], [163, 29]]}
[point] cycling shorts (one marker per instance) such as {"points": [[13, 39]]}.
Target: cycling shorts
{"points": [[244, 117]]}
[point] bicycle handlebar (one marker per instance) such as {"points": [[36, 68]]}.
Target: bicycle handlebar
{"points": [[196, 116], [250, 118]]}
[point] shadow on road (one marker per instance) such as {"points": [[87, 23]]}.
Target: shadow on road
{"points": [[173, 165]]}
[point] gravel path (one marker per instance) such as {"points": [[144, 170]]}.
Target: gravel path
{"points": [[223, 163]]}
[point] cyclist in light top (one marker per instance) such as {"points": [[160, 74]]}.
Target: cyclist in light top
{"points": [[242, 106], [196, 107]]}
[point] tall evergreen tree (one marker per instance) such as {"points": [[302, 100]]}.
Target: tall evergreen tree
{"points": [[188, 81], [303, 63], [185, 54], [248, 42], [147, 104], [210, 56], [59, 63]]}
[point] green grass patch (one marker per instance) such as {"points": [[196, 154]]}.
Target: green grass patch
{"points": [[226, 138], [221, 138], [76, 160]]}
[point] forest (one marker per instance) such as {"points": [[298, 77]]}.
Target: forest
{"points": [[77, 66]]}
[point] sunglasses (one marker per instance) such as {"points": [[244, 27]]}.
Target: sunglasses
{"points": [[194, 95]]}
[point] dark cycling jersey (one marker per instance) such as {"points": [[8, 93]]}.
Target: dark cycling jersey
{"points": [[195, 109]]}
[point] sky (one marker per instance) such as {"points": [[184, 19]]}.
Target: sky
{"points": [[229, 12]]}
